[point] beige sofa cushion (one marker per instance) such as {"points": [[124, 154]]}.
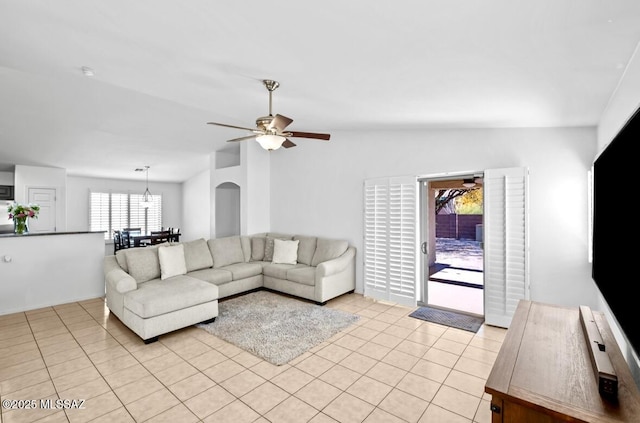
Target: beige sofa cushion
{"points": [[211, 275], [306, 248], [328, 249], [121, 258], [159, 297], [279, 270], [304, 275], [245, 243], [244, 270], [143, 263], [257, 248], [279, 235], [226, 251], [197, 255]]}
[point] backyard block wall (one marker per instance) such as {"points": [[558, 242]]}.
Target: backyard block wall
{"points": [[458, 226]]}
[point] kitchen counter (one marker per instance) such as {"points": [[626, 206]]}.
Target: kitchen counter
{"points": [[32, 234]]}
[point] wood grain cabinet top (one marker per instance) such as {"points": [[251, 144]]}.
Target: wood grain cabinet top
{"points": [[543, 371]]}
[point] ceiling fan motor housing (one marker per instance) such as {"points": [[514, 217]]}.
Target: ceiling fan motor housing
{"points": [[263, 122]]}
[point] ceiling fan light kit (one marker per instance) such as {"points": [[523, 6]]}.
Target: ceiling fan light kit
{"points": [[469, 183], [270, 142], [270, 130]]}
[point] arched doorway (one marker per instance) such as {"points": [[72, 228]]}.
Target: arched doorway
{"points": [[227, 210]]}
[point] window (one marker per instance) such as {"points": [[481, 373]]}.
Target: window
{"points": [[114, 211]]}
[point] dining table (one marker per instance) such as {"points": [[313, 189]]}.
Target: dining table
{"points": [[150, 239]]}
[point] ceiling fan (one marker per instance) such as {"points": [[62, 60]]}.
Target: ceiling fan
{"points": [[270, 130]]}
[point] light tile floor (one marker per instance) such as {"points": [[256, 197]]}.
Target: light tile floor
{"points": [[387, 367]]}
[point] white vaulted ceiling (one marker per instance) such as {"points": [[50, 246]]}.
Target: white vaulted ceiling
{"points": [[165, 68]]}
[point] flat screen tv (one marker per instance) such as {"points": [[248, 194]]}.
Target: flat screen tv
{"points": [[616, 228]]}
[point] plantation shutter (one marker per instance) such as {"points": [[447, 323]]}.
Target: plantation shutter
{"points": [[115, 211], [154, 214], [137, 218], [99, 213], [506, 268], [390, 256], [376, 263], [119, 211], [148, 219]]}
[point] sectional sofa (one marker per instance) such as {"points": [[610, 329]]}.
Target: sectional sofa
{"points": [[159, 289]]}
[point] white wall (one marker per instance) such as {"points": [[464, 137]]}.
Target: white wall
{"points": [[623, 103], [43, 177], [196, 207], [78, 189], [256, 189], [251, 174], [316, 189]]}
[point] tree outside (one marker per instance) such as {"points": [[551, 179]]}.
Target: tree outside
{"points": [[459, 201]]}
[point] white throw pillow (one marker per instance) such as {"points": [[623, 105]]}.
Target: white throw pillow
{"points": [[285, 252], [172, 262]]}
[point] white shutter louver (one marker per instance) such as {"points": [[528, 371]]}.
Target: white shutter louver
{"points": [[154, 214], [137, 218], [375, 239], [99, 213], [505, 243], [119, 211], [390, 253]]}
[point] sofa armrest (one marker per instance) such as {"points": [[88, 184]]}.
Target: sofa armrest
{"points": [[116, 278], [336, 265]]}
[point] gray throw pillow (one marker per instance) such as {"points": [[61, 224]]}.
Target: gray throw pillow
{"points": [[268, 249]]}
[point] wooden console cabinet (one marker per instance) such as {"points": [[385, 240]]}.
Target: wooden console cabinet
{"points": [[543, 371]]}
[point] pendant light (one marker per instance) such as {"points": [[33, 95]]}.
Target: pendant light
{"points": [[147, 198]]}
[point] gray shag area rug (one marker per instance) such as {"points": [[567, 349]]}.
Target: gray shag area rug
{"points": [[448, 318], [274, 327]]}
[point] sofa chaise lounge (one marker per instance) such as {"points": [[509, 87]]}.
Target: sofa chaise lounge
{"points": [[158, 289]]}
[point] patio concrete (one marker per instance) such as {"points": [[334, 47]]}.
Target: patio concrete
{"points": [[456, 279]]}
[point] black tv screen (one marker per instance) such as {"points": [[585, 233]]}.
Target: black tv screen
{"points": [[616, 228]]}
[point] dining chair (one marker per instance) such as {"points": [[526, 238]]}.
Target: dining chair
{"points": [[128, 233], [117, 241]]}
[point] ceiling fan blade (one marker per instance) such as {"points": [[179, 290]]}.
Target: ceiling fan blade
{"points": [[310, 135], [288, 144], [280, 122], [242, 138], [231, 126]]}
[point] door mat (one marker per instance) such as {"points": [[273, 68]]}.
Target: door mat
{"points": [[449, 318]]}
